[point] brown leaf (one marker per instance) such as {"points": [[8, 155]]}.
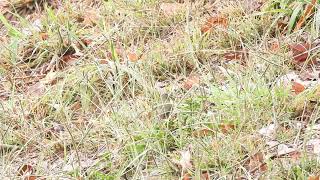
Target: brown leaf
{"points": [[314, 178], [103, 61], [186, 176], [306, 14], [132, 57], [202, 132], [24, 169], [44, 36], [214, 21], [69, 59], [297, 88], [191, 81], [225, 128], [205, 176], [236, 55], [300, 51], [256, 162], [34, 178], [273, 45]]}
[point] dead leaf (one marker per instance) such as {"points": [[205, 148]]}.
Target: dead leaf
{"points": [[268, 131], [34, 178], [214, 21], [225, 128], [37, 89], [315, 145], [274, 45], [185, 160], [69, 59], [133, 57], [205, 176], [103, 61], [236, 55], [170, 9], [297, 88], [314, 178], [202, 132], [191, 81], [25, 169], [306, 14], [300, 51], [186, 176], [44, 36], [256, 163], [284, 149]]}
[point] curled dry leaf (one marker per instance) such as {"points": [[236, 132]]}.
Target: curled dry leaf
{"points": [[191, 81], [297, 88], [170, 9], [225, 128], [214, 21], [306, 14], [25, 169]]}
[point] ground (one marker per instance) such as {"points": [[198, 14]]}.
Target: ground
{"points": [[134, 89]]}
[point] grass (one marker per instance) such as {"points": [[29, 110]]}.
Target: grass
{"points": [[75, 105]]}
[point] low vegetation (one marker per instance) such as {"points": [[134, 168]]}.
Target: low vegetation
{"points": [[133, 89]]}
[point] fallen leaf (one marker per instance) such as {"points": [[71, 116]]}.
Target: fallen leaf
{"points": [[274, 45], [236, 55], [69, 59], [214, 21], [86, 42], [132, 57], [37, 89], [306, 14], [185, 160], [205, 176], [25, 169], [225, 128], [297, 88], [314, 178], [284, 150], [202, 132], [315, 145], [170, 9], [268, 131], [256, 163], [34, 178], [300, 51], [186, 176], [191, 81], [44, 36], [103, 61]]}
